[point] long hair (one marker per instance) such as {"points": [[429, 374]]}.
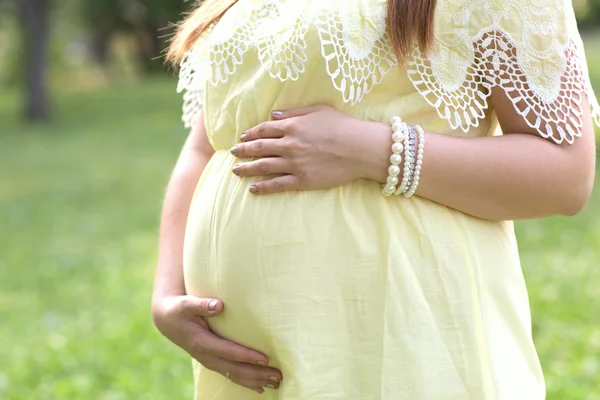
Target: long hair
{"points": [[407, 21]]}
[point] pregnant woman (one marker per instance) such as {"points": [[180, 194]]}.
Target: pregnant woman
{"points": [[338, 225]]}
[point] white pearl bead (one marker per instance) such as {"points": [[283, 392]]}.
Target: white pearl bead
{"points": [[392, 180], [395, 120], [394, 170], [397, 126], [395, 159], [398, 136], [419, 163], [397, 147], [389, 189]]}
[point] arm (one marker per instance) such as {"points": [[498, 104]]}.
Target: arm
{"points": [[193, 159], [515, 176], [180, 317]]}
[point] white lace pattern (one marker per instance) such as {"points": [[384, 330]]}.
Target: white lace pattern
{"points": [[529, 48]]}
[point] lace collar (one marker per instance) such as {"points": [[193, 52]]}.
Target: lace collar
{"points": [[530, 48]]}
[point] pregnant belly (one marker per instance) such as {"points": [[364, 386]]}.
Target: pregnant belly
{"points": [[334, 274], [277, 259], [284, 253]]}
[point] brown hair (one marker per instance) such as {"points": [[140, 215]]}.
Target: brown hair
{"points": [[407, 20]]}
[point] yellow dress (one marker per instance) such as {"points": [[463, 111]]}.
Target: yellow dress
{"points": [[354, 295]]}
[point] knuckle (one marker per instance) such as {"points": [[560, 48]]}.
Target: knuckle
{"points": [[297, 168], [295, 146], [278, 185], [185, 304], [262, 167], [197, 347], [208, 363], [287, 125], [258, 146], [235, 374], [260, 129], [229, 352], [303, 174]]}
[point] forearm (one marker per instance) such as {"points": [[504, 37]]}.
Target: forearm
{"points": [[515, 176], [169, 273]]}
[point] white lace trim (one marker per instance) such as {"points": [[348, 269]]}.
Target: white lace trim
{"points": [[530, 48], [193, 74]]}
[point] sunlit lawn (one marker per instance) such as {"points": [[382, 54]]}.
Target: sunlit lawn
{"points": [[79, 208]]}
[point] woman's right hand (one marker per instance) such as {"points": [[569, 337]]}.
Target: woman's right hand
{"points": [[182, 320]]}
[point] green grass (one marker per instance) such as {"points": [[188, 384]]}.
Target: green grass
{"points": [[561, 260], [79, 208]]}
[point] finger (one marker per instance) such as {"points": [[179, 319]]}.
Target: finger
{"points": [[276, 185], [261, 383], [296, 112], [258, 390], [250, 375], [206, 342], [202, 307], [263, 166], [259, 148], [264, 130]]}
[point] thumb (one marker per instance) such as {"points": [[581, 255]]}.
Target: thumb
{"points": [[203, 307], [296, 112]]}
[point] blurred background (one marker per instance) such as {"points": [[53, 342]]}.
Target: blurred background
{"points": [[89, 131]]}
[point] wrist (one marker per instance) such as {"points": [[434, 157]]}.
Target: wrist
{"points": [[160, 294], [377, 151]]}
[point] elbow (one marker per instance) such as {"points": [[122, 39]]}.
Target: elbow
{"points": [[578, 173], [574, 207], [575, 199]]}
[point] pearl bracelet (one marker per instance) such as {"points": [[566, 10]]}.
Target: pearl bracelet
{"points": [[399, 129], [415, 182], [409, 154]]}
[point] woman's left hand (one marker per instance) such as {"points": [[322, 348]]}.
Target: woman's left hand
{"points": [[312, 148]]}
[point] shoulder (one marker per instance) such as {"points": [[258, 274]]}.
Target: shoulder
{"points": [[530, 49], [546, 22]]}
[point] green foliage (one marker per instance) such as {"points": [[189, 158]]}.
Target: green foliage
{"points": [[131, 14]]}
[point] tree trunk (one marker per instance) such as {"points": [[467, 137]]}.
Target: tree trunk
{"points": [[150, 47], [35, 26], [100, 48]]}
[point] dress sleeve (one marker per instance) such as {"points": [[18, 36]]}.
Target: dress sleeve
{"points": [[194, 73], [530, 48]]}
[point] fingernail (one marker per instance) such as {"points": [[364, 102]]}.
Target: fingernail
{"points": [[274, 378], [270, 386], [258, 391], [253, 189], [235, 150], [236, 169], [243, 137], [262, 363], [212, 306], [277, 113]]}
